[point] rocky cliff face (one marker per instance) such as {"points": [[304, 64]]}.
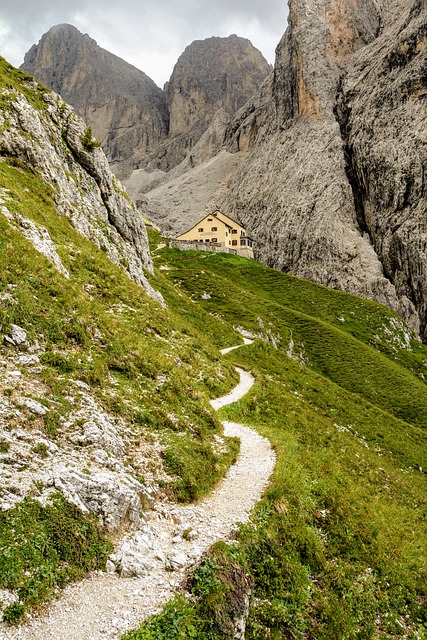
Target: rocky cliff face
{"points": [[49, 138], [322, 192], [125, 108], [138, 124], [212, 74], [382, 111]]}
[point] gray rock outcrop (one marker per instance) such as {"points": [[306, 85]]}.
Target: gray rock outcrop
{"points": [[88, 459], [320, 190], [125, 108], [51, 141]]}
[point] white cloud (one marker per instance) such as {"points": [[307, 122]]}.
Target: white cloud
{"points": [[148, 34]]}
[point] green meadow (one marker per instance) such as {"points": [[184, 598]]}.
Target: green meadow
{"points": [[337, 547]]}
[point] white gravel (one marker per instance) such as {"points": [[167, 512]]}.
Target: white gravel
{"points": [[245, 384], [104, 606], [228, 349]]}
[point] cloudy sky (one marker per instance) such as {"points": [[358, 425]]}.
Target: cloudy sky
{"points": [[150, 34]]}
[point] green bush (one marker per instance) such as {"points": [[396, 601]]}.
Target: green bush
{"points": [[88, 141]]}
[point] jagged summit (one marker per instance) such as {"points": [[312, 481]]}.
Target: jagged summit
{"points": [[124, 106], [137, 123], [211, 74]]}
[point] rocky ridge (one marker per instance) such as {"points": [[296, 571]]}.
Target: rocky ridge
{"points": [[125, 108], [138, 124], [55, 143]]}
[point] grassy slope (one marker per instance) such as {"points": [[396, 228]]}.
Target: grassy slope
{"points": [[337, 548], [143, 363]]}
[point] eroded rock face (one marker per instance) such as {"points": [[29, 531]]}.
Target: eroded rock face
{"points": [[382, 109], [212, 74], [125, 108], [50, 140], [298, 193]]}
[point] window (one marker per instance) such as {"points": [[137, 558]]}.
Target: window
{"points": [[210, 220], [234, 231], [200, 230], [214, 229], [207, 240], [234, 243], [214, 239]]}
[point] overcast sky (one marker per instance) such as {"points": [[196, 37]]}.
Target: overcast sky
{"points": [[150, 34]]}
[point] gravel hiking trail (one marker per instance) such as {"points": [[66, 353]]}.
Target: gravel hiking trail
{"points": [[104, 605]]}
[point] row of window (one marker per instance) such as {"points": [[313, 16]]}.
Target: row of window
{"points": [[244, 242], [232, 242], [233, 231]]}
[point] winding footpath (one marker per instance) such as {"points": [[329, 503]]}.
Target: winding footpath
{"points": [[104, 605]]}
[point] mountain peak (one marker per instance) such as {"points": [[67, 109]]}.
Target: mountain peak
{"points": [[123, 105]]}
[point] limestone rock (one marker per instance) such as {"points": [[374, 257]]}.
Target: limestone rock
{"points": [[39, 238], [89, 460], [51, 141], [383, 117], [212, 74], [133, 557], [295, 193], [126, 109], [114, 498], [17, 336], [35, 407], [176, 561]]}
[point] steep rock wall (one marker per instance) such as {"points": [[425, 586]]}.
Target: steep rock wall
{"points": [[382, 109], [125, 108], [212, 74], [294, 193]]}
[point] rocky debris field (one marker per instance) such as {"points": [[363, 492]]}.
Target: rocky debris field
{"points": [[86, 459]]}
